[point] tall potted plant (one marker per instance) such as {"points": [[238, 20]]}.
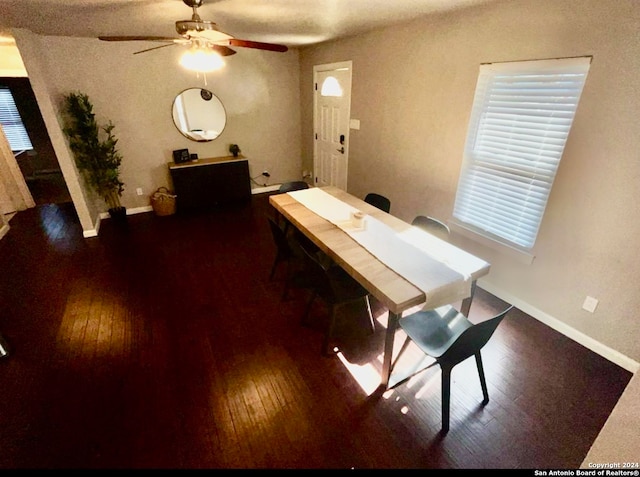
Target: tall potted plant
{"points": [[95, 152]]}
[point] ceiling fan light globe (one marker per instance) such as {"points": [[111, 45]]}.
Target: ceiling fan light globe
{"points": [[201, 60]]}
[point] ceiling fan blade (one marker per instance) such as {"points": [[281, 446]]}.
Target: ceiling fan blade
{"points": [[154, 48], [223, 50], [257, 44], [136, 38]]}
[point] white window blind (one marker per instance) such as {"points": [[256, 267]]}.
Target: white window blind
{"points": [[12, 123], [521, 117]]}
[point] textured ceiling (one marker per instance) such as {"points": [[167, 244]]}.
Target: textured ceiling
{"points": [[290, 22]]}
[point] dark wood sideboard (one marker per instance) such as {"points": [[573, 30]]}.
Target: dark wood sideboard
{"points": [[206, 183]]}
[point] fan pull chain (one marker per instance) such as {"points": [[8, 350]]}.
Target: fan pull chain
{"points": [[204, 75]]}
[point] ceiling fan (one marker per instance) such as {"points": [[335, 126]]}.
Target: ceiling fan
{"points": [[200, 33]]}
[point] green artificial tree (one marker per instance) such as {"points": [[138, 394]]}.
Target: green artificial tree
{"points": [[94, 149]]}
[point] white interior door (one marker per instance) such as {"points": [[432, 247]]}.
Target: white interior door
{"points": [[332, 108]]}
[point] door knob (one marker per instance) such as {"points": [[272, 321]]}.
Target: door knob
{"points": [[341, 150]]}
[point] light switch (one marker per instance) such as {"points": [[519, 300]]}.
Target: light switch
{"points": [[354, 124]]}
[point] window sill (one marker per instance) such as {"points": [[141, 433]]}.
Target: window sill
{"points": [[519, 255]]}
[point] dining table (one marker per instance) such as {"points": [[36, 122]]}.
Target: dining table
{"points": [[401, 265]]}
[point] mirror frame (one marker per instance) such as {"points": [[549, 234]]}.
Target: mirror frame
{"points": [[207, 96]]}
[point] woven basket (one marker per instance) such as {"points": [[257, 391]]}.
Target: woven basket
{"points": [[163, 202]]}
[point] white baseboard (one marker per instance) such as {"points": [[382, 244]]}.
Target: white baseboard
{"points": [[561, 327], [133, 211], [105, 215], [260, 190], [139, 210]]}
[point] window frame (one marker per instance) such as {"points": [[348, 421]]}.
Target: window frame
{"points": [[487, 173], [11, 122]]}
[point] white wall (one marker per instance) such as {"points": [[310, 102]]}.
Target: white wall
{"points": [[259, 91], [413, 88], [11, 64]]}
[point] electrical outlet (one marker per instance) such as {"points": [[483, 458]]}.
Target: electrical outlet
{"points": [[266, 173], [590, 304], [139, 191]]}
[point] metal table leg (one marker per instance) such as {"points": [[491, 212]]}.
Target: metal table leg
{"points": [[392, 325], [466, 303], [4, 348]]}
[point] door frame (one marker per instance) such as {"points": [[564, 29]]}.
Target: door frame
{"points": [[15, 194], [348, 64]]}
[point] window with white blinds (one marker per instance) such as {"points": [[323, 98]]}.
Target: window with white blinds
{"points": [[521, 118], [12, 123]]}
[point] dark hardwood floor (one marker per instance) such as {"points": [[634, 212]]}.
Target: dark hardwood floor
{"points": [[48, 188], [163, 344]]}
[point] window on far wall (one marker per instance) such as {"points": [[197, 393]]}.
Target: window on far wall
{"points": [[521, 118], [331, 87], [11, 122]]}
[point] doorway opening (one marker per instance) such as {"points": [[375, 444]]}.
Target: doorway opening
{"points": [[39, 166]]}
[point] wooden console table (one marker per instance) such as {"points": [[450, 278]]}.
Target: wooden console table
{"points": [[206, 183]]}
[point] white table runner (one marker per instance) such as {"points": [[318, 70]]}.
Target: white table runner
{"points": [[441, 270]]}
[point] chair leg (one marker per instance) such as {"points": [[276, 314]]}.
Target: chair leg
{"points": [[483, 381], [308, 307], [285, 291], [280, 257], [372, 322], [326, 343], [274, 266], [446, 397], [287, 281]]}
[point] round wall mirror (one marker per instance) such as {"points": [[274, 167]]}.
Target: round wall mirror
{"points": [[199, 115]]}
